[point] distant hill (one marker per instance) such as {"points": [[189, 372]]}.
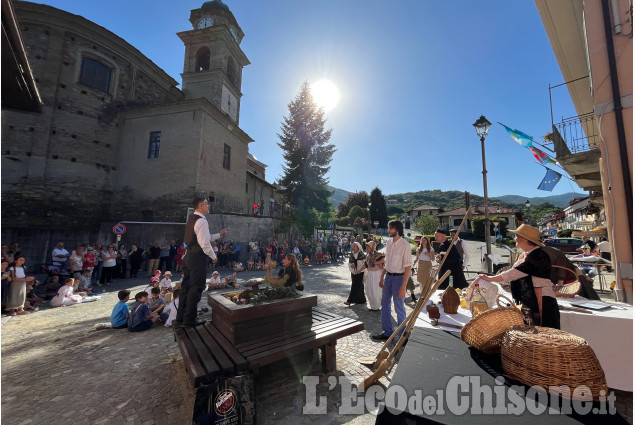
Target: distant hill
{"points": [[338, 196], [557, 200]]}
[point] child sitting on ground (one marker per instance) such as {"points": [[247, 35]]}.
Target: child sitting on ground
{"points": [[166, 282], [259, 265], [327, 258], [215, 282], [232, 280], [154, 283], [156, 304], [85, 284], [32, 300], [140, 318], [319, 258], [250, 264], [121, 312], [306, 260], [238, 267], [66, 296], [172, 308]]}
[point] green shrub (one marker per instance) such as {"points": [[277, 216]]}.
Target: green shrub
{"points": [[566, 233]]}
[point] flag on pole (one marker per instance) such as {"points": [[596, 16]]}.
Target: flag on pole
{"points": [[541, 156], [520, 137], [550, 180]]}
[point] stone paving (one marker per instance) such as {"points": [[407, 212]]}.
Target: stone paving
{"points": [[57, 369]]}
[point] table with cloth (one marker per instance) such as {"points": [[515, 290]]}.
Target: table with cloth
{"points": [[608, 332]]}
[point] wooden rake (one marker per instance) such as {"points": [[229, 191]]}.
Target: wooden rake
{"points": [[384, 361]]}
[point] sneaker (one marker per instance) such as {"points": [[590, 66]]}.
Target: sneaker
{"points": [[380, 337]]}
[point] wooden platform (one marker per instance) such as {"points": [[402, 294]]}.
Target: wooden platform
{"points": [[208, 355]]}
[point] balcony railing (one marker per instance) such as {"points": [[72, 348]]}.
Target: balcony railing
{"points": [[236, 205], [579, 132]]}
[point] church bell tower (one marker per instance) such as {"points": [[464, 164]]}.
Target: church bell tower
{"points": [[214, 60]]}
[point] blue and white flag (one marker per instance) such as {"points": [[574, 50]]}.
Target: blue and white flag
{"points": [[550, 180]]}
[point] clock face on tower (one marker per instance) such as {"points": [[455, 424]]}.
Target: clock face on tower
{"points": [[204, 22]]}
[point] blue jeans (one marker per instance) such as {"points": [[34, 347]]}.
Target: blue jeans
{"points": [[392, 285]]}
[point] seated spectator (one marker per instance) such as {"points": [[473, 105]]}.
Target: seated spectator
{"points": [[156, 304], [250, 264], [166, 282], [141, 318], [232, 280], [319, 257], [259, 265], [66, 296], [238, 267], [215, 282], [32, 300], [173, 308], [121, 312], [154, 283], [327, 258], [84, 284], [306, 261]]}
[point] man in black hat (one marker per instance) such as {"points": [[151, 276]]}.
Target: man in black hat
{"points": [[454, 262], [199, 247]]}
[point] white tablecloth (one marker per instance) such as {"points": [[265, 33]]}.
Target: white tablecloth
{"points": [[609, 333]]}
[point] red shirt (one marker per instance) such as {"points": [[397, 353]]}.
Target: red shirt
{"points": [[89, 260]]}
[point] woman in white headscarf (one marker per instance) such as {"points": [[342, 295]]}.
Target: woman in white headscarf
{"points": [[374, 264], [356, 266]]}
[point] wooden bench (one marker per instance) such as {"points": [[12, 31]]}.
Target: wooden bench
{"points": [[208, 355]]}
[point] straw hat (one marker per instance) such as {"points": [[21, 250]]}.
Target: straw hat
{"points": [[530, 233], [371, 243]]}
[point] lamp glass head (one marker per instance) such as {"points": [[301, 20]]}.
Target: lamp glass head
{"points": [[482, 126]]}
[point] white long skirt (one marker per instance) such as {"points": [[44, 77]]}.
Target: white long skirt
{"points": [[373, 291]]}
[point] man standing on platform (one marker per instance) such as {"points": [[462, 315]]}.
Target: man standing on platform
{"points": [[454, 263], [199, 247], [396, 273]]}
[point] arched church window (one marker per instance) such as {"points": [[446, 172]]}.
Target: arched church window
{"points": [[202, 59], [231, 72]]}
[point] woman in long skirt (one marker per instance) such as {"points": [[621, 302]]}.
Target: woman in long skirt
{"points": [[374, 264], [356, 266], [423, 261]]}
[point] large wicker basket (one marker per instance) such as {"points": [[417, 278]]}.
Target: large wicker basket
{"points": [[485, 331], [550, 358], [569, 290]]}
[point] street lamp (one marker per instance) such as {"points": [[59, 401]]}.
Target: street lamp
{"points": [[482, 127], [527, 205]]}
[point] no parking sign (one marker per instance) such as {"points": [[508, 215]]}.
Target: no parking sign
{"points": [[119, 229]]}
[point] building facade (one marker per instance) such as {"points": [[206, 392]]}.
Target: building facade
{"points": [[117, 139]]}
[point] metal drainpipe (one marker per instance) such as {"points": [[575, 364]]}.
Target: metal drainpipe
{"points": [[619, 121]]}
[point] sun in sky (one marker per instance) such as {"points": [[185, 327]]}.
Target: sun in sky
{"points": [[325, 94]]}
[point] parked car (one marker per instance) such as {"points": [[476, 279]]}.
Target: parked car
{"points": [[570, 245]]}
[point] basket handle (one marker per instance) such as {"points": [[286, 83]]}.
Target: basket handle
{"points": [[499, 296]]}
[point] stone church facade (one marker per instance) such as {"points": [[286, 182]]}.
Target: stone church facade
{"points": [[117, 139]]}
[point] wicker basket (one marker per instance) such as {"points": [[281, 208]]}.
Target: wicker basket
{"points": [[485, 331], [569, 290], [450, 300], [549, 358]]}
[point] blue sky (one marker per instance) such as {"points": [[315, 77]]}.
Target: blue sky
{"points": [[413, 76]]}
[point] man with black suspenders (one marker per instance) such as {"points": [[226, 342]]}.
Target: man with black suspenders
{"points": [[199, 247]]}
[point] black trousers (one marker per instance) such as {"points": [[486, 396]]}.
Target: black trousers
{"points": [[194, 274], [458, 278]]}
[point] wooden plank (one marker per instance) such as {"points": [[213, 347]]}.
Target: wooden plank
{"points": [[193, 366], [292, 334], [238, 359], [280, 353], [208, 362], [330, 327], [329, 361], [225, 364]]}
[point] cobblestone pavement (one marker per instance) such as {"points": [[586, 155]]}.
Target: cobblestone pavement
{"points": [[57, 369]]}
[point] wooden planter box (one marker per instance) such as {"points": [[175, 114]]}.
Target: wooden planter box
{"points": [[245, 323]]}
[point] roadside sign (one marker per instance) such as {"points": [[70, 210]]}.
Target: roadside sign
{"points": [[119, 229], [496, 229], [118, 238]]}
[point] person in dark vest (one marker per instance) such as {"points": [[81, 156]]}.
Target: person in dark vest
{"points": [[461, 247], [454, 263], [199, 248]]}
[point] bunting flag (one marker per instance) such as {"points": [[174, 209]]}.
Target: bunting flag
{"points": [[550, 180], [541, 156], [520, 137]]}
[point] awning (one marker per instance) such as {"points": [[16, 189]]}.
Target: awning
{"points": [[596, 233]]}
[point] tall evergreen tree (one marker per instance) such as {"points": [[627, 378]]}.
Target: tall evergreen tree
{"points": [[307, 153], [378, 210]]}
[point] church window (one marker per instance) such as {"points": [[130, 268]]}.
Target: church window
{"points": [[202, 59], [227, 153], [231, 72], [154, 144], [95, 74]]}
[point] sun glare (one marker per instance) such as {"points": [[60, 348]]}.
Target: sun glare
{"points": [[325, 94]]}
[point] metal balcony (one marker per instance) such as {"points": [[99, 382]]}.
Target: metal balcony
{"points": [[579, 133]]}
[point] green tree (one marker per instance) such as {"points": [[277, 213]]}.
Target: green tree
{"points": [[427, 224], [307, 154], [360, 199], [357, 211], [378, 210]]}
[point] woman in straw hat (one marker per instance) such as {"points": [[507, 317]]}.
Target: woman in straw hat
{"points": [[530, 278]]}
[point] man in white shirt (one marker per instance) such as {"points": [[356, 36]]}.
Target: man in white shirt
{"points": [[461, 246], [195, 261], [60, 255], [394, 278]]}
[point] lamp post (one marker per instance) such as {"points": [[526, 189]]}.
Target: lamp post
{"points": [[482, 127], [528, 205]]}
